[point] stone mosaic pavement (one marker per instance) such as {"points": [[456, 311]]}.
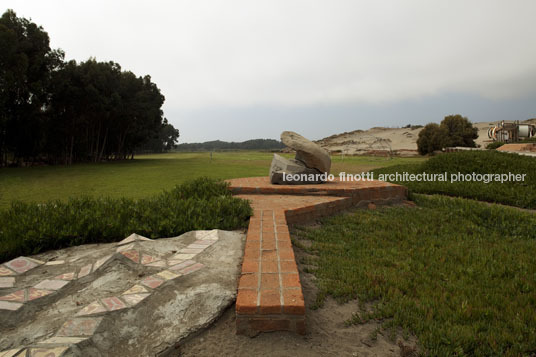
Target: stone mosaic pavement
{"points": [[85, 301]]}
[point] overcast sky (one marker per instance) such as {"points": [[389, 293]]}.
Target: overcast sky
{"points": [[237, 70]]}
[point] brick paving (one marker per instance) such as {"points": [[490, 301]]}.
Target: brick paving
{"points": [[269, 295]]}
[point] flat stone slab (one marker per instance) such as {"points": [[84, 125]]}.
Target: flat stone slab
{"points": [[138, 297]]}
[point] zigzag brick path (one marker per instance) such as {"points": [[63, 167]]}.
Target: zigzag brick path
{"points": [[270, 296]]}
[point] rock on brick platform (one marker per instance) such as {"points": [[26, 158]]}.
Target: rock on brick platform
{"points": [[270, 296]]}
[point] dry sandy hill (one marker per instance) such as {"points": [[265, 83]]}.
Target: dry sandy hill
{"points": [[378, 140]]}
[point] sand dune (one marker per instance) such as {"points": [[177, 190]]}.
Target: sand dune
{"points": [[378, 140]]}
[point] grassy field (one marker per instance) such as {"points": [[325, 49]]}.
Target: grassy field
{"points": [[460, 275], [519, 194], [149, 174]]}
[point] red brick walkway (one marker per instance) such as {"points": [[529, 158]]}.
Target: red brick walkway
{"points": [[269, 291]]}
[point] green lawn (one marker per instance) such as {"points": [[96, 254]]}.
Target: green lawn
{"points": [[148, 174], [460, 275], [513, 193]]}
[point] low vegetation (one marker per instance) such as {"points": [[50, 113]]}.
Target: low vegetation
{"points": [[520, 194], [30, 228], [456, 273], [148, 175], [494, 145]]}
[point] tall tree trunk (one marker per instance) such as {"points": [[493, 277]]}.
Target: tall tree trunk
{"points": [[3, 158], [71, 151], [96, 152], [103, 145]]}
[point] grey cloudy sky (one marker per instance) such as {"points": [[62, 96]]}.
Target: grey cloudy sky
{"points": [[235, 70]]}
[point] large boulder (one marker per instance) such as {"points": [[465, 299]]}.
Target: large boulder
{"points": [[282, 168], [311, 154]]}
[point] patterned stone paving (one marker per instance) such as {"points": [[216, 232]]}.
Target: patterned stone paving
{"points": [[85, 270], [79, 327], [21, 265], [134, 299], [62, 340], [6, 272], [148, 259], [136, 289], [113, 303], [51, 284], [87, 320], [99, 263], [92, 309], [10, 306], [34, 293], [177, 265], [132, 239], [55, 262], [7, 282], [158, 264], [47, 352], [66, 276], [18, 296], [13, 352], [152, 282]]}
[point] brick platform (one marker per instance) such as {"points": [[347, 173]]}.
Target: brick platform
{"points": [[269, 291]]}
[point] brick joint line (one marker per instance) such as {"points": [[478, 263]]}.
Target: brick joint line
{"points": [[281, 300], [259, 273]]}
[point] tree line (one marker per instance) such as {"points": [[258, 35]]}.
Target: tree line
{"points": [[255, 144], [58, 111]]}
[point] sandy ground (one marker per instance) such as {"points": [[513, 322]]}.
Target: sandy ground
{"points": [[327, 334], [403, 140]]}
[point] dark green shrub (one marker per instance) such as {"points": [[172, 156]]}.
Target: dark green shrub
{"points": [[494, 145], [454, 130], [460, 131], [431, 138], [28, 228]]}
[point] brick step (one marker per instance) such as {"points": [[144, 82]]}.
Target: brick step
{"points": [[358, 190]]}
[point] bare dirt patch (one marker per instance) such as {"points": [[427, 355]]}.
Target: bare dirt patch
{"points": [[327, 334]]}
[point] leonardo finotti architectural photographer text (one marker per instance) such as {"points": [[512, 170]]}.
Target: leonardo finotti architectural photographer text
{"points": [[406, 176]]}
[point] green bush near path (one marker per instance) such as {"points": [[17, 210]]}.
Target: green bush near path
{"points": [[519, 194], [458, 274], [30, 228]]}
